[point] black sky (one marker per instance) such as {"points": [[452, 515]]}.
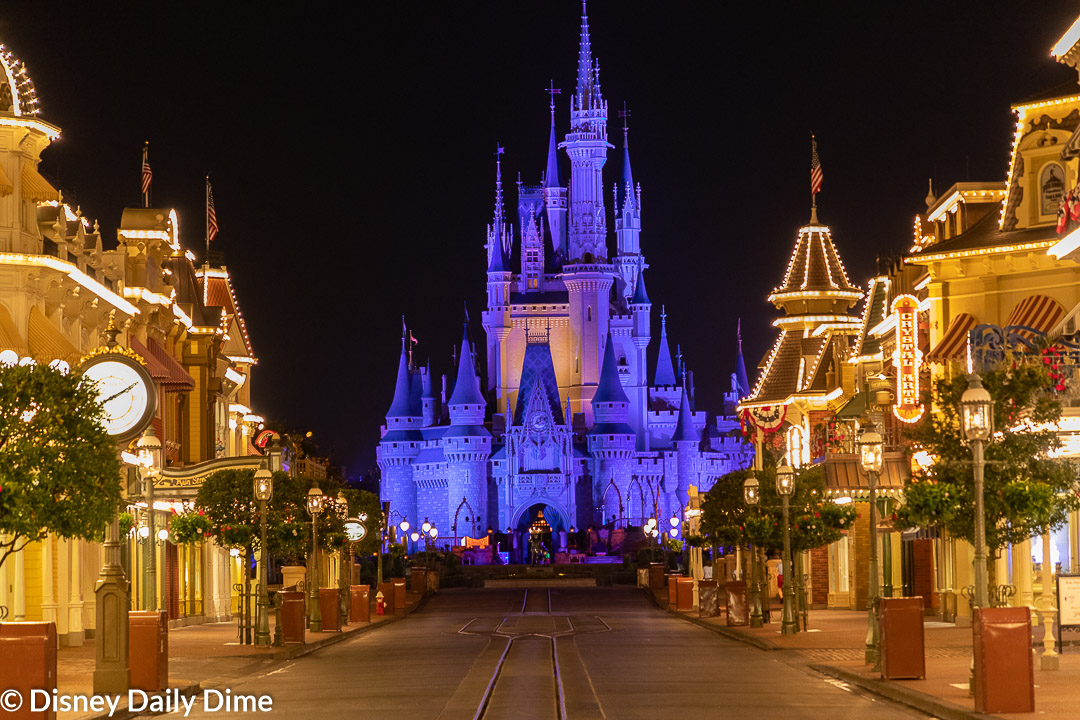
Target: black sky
{"points": [[350, 147]]}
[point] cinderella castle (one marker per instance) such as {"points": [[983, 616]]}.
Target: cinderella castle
{"points": [[568, 419]]}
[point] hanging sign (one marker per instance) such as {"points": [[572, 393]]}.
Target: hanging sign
{"points": [[355, 531], [907, 359]]}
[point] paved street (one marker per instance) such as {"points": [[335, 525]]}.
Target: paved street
{"points": [[549, 653]]}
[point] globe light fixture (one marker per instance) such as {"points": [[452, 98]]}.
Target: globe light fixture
{"points": [[751, 489], [162, 534], [785, 487]]}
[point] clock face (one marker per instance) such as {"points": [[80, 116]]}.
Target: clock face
{"points": [[126, 392], [538, 422]]}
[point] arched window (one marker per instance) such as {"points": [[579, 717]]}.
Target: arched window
{"points": [[588, 314], [1051, 188]]}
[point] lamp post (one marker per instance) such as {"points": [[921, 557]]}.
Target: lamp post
{"points": [[315, 501], [785, 487], [344, 564], [871, 461], [752, 496], [264, 488], [977, 425], [149, 454]]}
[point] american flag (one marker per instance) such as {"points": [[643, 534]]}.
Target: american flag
{"points": [[147, 176], [211, 214], [815, 169]]}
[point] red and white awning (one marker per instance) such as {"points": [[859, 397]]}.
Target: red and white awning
{"points": [[954, 343], [1037, 312]]}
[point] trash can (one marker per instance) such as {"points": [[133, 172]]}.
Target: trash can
{"points": [[902, 638], [1004, 661], [672, 591], [330, 609], [399, 594], [419, 579], [293, 624], [28, 659], [148, 650], [359, 603], [708, 601], [656, 576], [684, 594], [738, 612], [387, 590]]}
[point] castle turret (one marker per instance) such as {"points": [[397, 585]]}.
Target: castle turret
{"points": [[611, 439], [665, 371], [496, 318], [686, 440], [467, 446], [628, 258], [401, 442], [429, 400], [555, 194], [638, 387]]}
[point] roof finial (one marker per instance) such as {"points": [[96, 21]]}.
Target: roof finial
{"points": [[930, 197], [585, 63]]}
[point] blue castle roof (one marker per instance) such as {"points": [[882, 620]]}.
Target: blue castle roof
{"points": [[467, 385], [609, 389], [684, 430], [403, 403], [640, 296], [665, 371]]}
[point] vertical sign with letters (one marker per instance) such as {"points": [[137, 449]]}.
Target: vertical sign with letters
{"points": [[907, 358]]}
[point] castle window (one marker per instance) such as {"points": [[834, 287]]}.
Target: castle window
{"points": [[588, 314]]}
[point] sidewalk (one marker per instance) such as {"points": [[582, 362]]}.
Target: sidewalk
{"points": [[209, 656], [836, 640]]}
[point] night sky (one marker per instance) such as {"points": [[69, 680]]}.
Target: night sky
{"points": [[350, 146]]}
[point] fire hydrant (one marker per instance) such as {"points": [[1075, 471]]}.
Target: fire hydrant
{"points": [[379, 604]]}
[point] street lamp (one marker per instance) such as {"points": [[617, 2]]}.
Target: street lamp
{"points": [[264, 488], [977, 425], [871, 461], [752, 496], [785, 487], [315, 501], [148, 451], [344, 563]]}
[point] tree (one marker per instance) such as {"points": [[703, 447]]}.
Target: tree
{"points": [[815, 521], [362, 501], [59, 468], [227, 498], [1026, 491]]}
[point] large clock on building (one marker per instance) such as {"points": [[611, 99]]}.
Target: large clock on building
{"points": [[538, 422], [126, 391]]}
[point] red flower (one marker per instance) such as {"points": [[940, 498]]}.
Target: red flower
{"points": [[201, 511], [817, 514]]}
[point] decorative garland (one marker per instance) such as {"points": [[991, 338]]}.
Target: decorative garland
{"points": [[767, 418]]}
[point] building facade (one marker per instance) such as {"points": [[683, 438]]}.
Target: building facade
{"points": [[556, 409], [61, 286]]}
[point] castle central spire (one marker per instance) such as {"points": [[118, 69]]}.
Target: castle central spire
{"points": [[585, 73]]}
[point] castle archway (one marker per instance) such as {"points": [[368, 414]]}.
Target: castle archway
{"points": [[555, 513]]}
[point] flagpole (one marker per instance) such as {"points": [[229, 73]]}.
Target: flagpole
{"points": [[206, 211]]}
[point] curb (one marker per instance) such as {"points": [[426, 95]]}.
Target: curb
{"points": [[921, 701], [753, 641]]}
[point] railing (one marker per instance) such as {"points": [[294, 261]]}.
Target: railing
{"points": [[998, 595]]}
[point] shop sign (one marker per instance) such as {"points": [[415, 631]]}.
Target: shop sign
{"points": [[907, 359]]}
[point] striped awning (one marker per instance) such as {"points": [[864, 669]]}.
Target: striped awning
{"points": [[35, 187], [46, 341], [168, 373], [954, 343], [9, 334], [6, 188], [1037, 312]]}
